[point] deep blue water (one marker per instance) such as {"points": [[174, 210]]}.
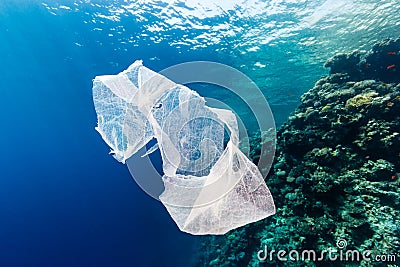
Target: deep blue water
{"points": [[64, 201]]}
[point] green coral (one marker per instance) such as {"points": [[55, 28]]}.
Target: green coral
{"points": [[361, 100]]}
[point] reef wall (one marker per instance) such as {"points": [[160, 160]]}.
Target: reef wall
{"points": [[336, 174]]}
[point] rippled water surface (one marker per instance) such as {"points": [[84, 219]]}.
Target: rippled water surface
{"points": [[280, 44]]}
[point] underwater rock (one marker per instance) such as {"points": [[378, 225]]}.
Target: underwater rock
{"points": [[336, 174], [381, 63], [345, 63]]}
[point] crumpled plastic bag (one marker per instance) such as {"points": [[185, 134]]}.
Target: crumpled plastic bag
{"points": [[211, 187]]}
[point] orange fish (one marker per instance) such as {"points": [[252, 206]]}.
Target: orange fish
{"points": [[367, 65], [390, 66], [391, 53]]}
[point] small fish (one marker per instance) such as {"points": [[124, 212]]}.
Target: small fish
{"points": [[367, 65], [391, 53], [390, 66]]}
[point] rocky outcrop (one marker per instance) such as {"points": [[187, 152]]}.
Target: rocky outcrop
{"points": [[336, 174]]}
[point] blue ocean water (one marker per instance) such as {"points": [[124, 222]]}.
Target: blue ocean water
{"points": [[64, 201]]}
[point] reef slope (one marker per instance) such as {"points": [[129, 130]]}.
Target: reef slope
{"points": [[336, 174]]}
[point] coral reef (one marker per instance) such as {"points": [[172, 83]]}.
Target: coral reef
{"points": [[336, 174], [381, 63]]}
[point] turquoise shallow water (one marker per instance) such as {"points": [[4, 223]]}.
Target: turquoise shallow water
{"points": [[264, 39], [63, 200]]}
